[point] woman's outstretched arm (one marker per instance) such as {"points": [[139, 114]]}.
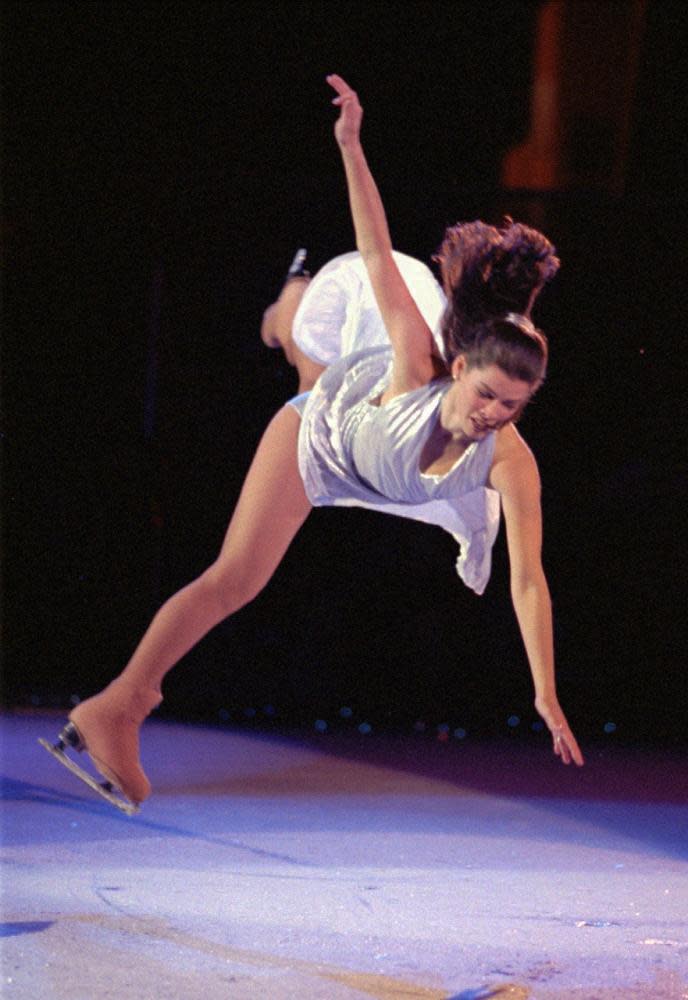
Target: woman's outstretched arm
{"points": [[408, 332], [515, 476]]}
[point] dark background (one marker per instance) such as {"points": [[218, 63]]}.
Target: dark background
{"points": [[161, 164]]}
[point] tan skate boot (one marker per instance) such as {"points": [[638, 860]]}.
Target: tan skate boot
{"points": [[108, 728]]}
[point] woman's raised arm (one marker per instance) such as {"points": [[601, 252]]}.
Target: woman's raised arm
{"points": [[408, 332]]}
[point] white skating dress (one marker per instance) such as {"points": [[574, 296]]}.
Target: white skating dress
{"points": [[355, 453]]}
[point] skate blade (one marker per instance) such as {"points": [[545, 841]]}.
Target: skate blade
{"points": [[104, 788]]}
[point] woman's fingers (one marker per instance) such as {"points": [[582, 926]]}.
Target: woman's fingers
{"points": [[561, 749], [565, 745], [563, 741], [339, 84], [345, 95], [576, 755], [348, 125]]}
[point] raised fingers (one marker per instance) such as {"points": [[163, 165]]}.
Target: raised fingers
{"points": [[339, 84], [346, 97]]}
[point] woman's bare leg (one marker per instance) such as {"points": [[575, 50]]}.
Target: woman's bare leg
{"points": [[271, 508]]}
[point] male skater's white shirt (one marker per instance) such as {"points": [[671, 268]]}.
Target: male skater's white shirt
{"points": [[338, 313]]}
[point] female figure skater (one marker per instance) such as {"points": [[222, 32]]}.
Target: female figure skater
{"points": [[406, 428]]}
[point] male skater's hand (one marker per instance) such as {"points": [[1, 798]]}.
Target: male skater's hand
{"points": [[347, 128]]}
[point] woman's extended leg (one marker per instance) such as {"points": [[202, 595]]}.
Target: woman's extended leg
{"points": [[271, 508]]}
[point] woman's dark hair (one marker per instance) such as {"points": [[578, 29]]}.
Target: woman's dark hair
{"points": [[511, 343], [488, 272]]}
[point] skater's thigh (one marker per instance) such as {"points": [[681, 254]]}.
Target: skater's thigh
{"points": [[309, 370], [272, 505]]}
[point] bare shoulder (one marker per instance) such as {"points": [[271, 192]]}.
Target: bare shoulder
{"points": [[514, 470]]}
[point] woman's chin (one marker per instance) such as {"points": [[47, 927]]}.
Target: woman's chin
{"points": [[481, 430]]}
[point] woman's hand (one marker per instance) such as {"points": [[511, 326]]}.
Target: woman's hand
{"points": [[563, 741], [347, 128]]}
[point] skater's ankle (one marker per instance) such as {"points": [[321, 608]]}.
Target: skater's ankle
{"points": [[122, 697], [135, 688]]}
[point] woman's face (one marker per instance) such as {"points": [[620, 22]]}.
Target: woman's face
{"points": [[481, 400]]}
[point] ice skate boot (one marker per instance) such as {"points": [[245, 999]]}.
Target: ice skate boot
{"points": [[107, 727]]}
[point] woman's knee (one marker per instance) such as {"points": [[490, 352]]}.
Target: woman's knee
{"points": [[230, 585]]}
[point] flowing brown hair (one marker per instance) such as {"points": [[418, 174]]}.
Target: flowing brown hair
{"points": [[488, 272]]}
